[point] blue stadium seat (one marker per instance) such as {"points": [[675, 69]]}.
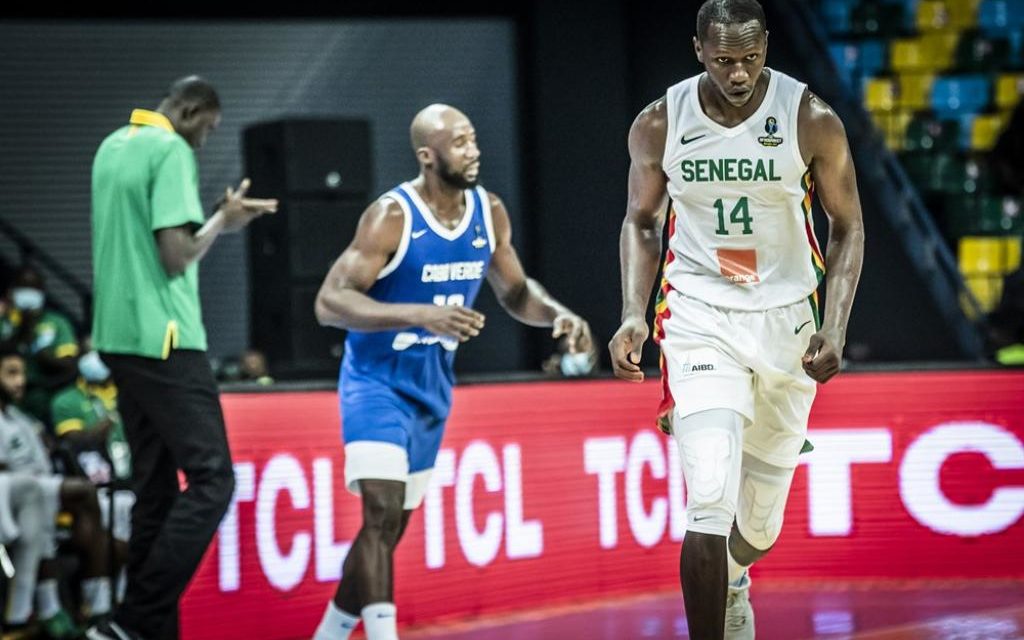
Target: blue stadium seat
{"points": [[1000, 15], [966, 121], [845, 58], [836, 15], [1016, 37], [872, 57], [956, 95]]}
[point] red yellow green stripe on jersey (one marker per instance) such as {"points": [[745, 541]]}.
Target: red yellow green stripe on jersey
{"points": [[817, 261], [661, 313]]}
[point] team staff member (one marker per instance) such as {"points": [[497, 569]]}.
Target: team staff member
{"points": [[149, 234]]}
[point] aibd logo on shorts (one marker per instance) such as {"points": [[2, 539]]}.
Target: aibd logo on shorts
{"points": [[698, 367], [771, 127]]}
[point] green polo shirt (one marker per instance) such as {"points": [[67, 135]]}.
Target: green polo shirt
{"points": [[144, 178]]}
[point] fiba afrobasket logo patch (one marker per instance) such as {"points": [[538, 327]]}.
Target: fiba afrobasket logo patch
{"points": [[771, 127]]}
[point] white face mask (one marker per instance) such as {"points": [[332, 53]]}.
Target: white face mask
{"points": [[576, 364], [92, 368], [27, 298]]}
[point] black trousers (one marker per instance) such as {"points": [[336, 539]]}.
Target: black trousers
{"points": [[172, 419]]}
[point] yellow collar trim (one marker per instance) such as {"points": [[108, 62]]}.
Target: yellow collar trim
{"points": [[151, 119]]}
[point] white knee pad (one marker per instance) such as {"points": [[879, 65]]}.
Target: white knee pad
{"points": [[710, 453], [764, 489]]}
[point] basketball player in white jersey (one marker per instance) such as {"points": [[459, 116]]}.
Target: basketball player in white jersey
{"points": [[734, 156]]}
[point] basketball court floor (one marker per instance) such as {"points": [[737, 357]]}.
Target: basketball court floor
{"points": [[933, 610]]}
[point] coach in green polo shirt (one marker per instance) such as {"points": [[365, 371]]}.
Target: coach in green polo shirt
{"points": [[149, 234]]}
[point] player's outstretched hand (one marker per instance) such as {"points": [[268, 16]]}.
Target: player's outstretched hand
{"points": [[625, 349], [576, 330], [239, 211], [822, 359], [452, 321]]}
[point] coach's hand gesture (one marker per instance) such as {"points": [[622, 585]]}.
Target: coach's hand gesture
{"points": [[823, 357], [625, 348], [239, 211]]}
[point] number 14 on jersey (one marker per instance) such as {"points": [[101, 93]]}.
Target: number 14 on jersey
{"points": [[740, 214]]}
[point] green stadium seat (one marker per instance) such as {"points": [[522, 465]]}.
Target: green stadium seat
{"points": [[926, 133], [871, 18], [982, 215], [977, 52]]}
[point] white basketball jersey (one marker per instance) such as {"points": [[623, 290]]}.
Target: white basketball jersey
{"points": [[740, 228]]}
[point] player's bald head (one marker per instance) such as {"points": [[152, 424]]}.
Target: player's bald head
{"points": [[433, 121]]}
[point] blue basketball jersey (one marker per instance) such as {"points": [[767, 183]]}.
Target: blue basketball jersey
{"points": [[433, 265]]}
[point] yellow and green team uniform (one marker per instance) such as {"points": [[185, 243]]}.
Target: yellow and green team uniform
{"points": [[144, 178], [81, 407], [53, 334]]}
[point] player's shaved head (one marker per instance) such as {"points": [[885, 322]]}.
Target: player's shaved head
{"points": [[433, 120], [729, 12]]}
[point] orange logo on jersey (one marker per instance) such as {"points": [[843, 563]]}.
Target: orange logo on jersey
{"points": [[739, 265]]}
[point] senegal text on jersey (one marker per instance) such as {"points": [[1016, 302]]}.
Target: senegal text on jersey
{"points": [[729, 170], [453, 271]]}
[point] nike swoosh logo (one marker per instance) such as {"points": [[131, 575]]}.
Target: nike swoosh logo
{"points": [[797, 330], [418, 234], [685, 141], [699, 518]]}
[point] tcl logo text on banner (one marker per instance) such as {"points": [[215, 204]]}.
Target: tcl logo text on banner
{"points": [[561, 491]]}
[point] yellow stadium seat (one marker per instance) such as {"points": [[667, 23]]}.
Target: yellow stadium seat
{"points": [[1013, 251], [879, 94], [986, 289], [963, 14], [893, 125], [1009, 88], [932, 14], [939, 48], [982, 255], [985, 131], [984, 261], [907, 54], [915, 90]]}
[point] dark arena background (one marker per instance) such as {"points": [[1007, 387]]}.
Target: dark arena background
{"points": [[557, 508]]}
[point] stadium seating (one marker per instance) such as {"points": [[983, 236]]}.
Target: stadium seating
{"points": [[939, 79]]}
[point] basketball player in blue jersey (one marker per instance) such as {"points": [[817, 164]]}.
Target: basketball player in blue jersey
{"points": [[734, 155], [404, 290]]}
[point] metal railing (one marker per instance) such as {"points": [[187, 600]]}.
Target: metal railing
{"points": [[30, 252]]}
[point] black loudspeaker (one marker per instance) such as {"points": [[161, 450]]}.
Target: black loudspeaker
{"points": [[320, 170], [310, 156]]}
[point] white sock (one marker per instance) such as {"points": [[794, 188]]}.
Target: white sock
{"points": [[122, 585], [19, 604], [381, 621], [96, 595], [336, 624], [47, 599], [736, 571]]}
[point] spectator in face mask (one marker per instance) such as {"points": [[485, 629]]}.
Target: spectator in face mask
{"points": [[44, 337], [85, 417]]}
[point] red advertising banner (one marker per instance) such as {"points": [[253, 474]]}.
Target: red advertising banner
{"points": [[554, 492]]}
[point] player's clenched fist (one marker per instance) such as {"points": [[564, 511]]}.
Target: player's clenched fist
{"points": [[625, 349], [457, 322]]}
